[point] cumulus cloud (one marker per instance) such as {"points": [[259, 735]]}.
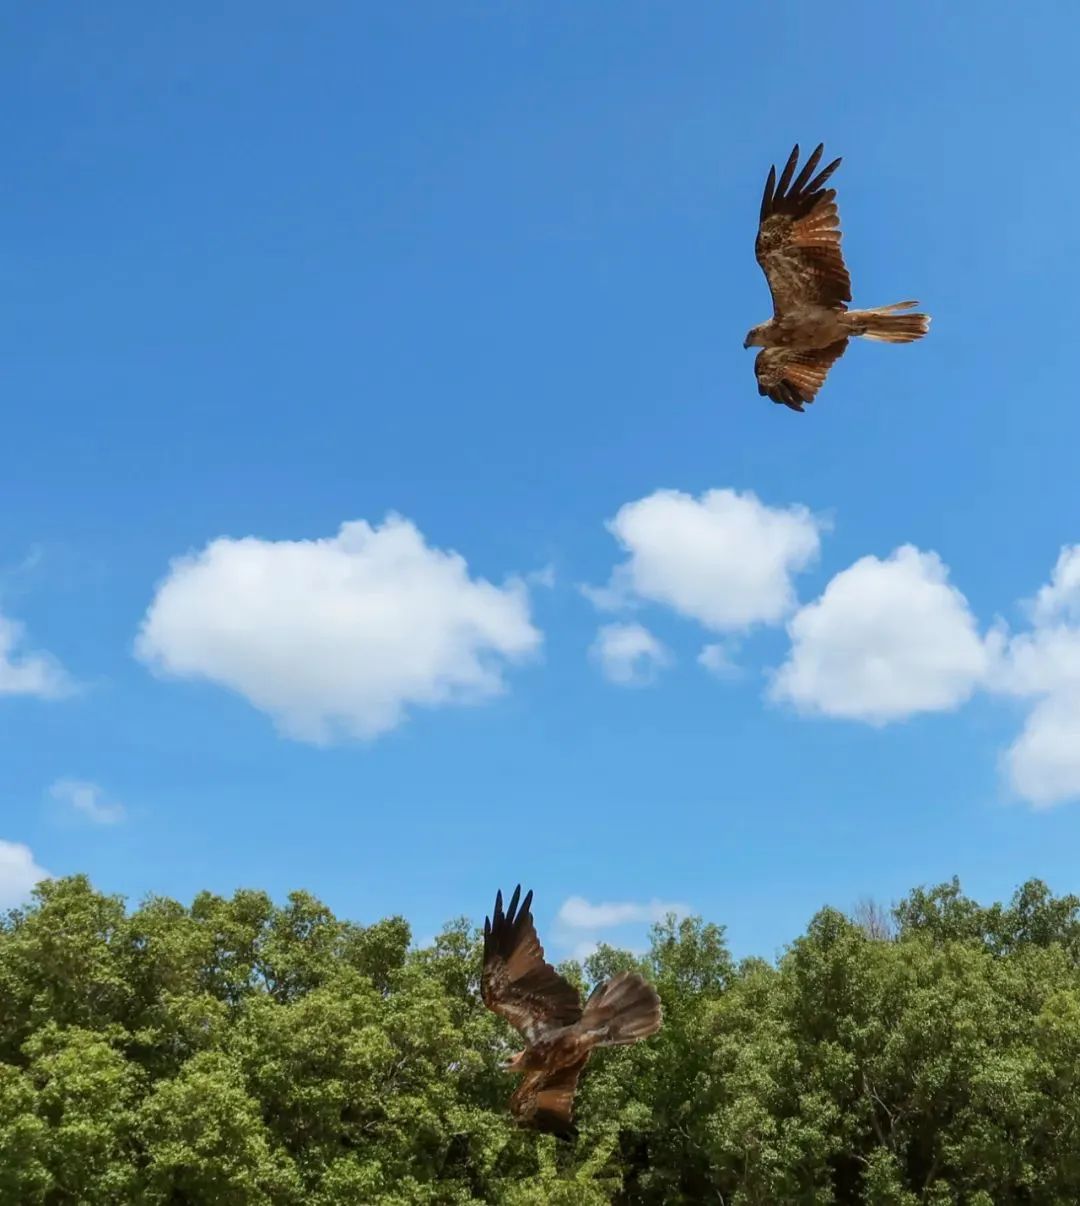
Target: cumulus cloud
{"points": [[629, 654], [887, 639], [1044, 661], [89, 799], [1043, 664], [29, 672], [725, 559], [337, 636], [1043, 763], [577, 913], [1059, 599], [891, 638], [18, 873]]}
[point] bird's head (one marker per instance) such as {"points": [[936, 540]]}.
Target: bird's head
{"points": [[755, 338]]}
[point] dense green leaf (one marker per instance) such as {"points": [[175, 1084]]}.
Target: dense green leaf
{"points": [[240, 1052]]}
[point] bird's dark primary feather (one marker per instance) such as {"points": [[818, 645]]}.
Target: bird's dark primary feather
{"points": [[767, 195], [517, 982], [804, 194], [798, 237], [788, 172]]}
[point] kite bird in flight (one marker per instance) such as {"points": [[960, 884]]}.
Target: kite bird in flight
{"points": [[546, 1010], [798, 248]]}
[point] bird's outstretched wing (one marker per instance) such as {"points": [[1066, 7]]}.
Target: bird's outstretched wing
{"points": [[545, 1100], [798, 238], [793, 377], [516, 982]]}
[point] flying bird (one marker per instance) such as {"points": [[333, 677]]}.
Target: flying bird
{"points": [[798, 248], [546, 1010]]}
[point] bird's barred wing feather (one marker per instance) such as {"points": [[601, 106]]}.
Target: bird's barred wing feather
{"points": [[798, 238], [516, 982], [794, 377], [546, 1099]]}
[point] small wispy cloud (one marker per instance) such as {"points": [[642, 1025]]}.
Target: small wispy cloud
{"points": [[577, 913], [544, 577], [89, 799], [719, 659], [629, 655], [29, 672], [582, 927], [608, 598]]}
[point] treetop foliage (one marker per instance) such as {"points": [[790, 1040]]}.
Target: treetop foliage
{"points": [[240, 1052]]}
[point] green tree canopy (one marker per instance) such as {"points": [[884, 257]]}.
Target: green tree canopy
{"points": [[239, 1051]]}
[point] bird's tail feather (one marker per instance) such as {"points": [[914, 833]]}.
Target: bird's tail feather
{"points": [[624, 1009], [887, 325]]}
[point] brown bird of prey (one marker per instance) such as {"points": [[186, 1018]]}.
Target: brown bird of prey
{"points": [[547, 1012], [798, 248]]}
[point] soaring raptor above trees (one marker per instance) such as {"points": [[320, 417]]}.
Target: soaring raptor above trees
{"points": [[798, 248], [546, 1011]]}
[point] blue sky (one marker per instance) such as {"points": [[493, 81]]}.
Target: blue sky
{"points": [[488, 268]]}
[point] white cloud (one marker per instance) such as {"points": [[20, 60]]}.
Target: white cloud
{"points": [[545, 577], [886, 639], [1043, 763], [1059, 599], [18, 873], [89, 799], [718, 659], [889, 639], [629, 654], [26, 672], [580, 925], [577, 913], [1043, 664], [725, 560], [338, 636]]}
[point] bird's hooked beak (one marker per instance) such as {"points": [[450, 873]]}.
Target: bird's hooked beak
{"points": [[746, 342]]}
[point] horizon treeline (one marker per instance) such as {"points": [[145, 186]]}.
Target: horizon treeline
{"points": [[239, 1052]]}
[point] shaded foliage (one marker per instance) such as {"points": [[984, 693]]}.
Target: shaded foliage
{"points": [[242, 1052]]}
